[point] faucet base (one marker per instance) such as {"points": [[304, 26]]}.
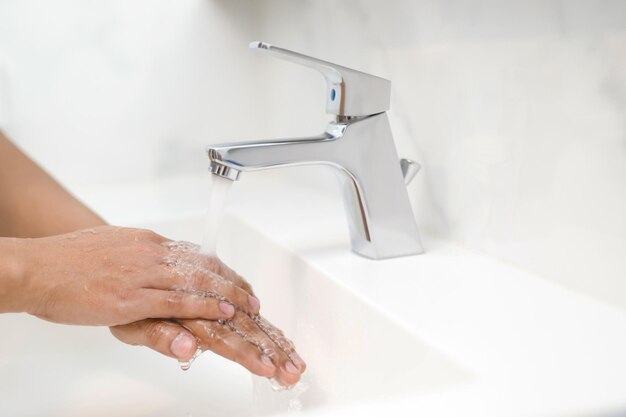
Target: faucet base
{"points": [[379, 214]]}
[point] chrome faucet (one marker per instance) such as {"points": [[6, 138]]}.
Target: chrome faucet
{"points": [[358, 144]]}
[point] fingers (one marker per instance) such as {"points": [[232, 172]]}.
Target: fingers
{"points": [[150, 303], [170, 339], [273, 342], [279, 339], [242, 341], [202, 281], [147, 235], [213, 283], [186, 257], [229, 274], [221, 340]]}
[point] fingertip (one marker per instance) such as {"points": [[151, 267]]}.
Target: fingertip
{"points": [[267, 368], [254, 304], [291, 368], [287, 374], [183, 346], [288, 377], [227, 309], [298, 361]]}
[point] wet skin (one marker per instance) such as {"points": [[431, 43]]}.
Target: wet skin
{"points": [[150, 291]]}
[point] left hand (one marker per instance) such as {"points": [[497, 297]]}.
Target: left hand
{"points": [[241, 339]]}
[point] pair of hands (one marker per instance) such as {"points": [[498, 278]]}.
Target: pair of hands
{"points": [[153, 292]]}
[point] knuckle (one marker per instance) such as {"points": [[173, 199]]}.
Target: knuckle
{"points": [[175, 300], [155, 332], [205, 304], [147, 235], [124, 297], [124, 305], [215, 283], [229, 291], [197, 281], [250, 327], [239, 295], [210, 333]]}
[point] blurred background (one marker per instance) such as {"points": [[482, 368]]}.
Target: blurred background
{"points": [[516, 109]]}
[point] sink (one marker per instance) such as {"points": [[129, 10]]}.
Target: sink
{"points": [[354, 351], [448, 333]]}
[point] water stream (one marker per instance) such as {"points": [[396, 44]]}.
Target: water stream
{"points": [[217, 202], [268, 395]]}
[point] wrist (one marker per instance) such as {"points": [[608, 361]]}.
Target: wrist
{"points": [[13, 275]]}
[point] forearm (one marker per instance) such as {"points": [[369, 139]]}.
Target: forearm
{"points": [[32, 203], [12, 275]]}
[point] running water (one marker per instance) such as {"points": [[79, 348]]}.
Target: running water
{"points": [[217, 202], [269, 395]]}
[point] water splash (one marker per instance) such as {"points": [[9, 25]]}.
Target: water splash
{"points": [[185, 365], [270, 397], [187, 259]]}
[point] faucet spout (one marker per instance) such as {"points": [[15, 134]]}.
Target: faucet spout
{"points": [[261, 155], [224, 171], [362, 150]]}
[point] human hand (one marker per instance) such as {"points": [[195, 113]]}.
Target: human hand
{"points": [[253, 342], [247, 339], [113, 276]]}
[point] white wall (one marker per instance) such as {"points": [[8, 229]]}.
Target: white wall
{"points": [[516, 109], [111, 91]]}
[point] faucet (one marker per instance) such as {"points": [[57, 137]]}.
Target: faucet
{"points": [[358, 144]]}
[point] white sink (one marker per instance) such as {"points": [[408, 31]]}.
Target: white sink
{"points": [[448, 333], [354, 351]]}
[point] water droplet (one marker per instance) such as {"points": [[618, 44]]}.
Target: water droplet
{"points": [[185, 365], [270, 397]]}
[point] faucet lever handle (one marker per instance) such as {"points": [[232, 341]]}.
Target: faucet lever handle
{"points": [[349, 92]]}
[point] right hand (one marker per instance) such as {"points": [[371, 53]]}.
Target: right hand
{"points": [[114, 276]]}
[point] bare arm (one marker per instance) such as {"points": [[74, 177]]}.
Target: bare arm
{"points": [[117, 277], [32, 203]]}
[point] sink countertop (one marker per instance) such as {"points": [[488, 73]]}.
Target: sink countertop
{"points": [[532, 348]]}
